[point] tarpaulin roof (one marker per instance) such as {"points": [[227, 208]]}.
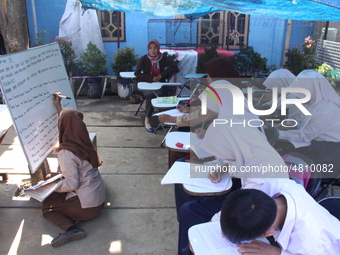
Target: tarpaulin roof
{"points": [[327, 10]]}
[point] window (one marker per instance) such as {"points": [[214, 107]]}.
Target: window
{"points": [[224, 28], [112, 25]]}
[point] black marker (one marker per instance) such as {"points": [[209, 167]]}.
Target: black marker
{"points": [[62, 96]]}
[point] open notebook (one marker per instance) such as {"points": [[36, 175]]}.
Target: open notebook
{"points": [[182, 172], [207, 239], [43, 189]]}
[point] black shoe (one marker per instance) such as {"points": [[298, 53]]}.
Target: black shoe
{"points": [[72, 235], [151, 130]]}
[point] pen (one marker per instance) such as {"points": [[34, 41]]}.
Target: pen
{"points": [[202, 126], [62, 96]]}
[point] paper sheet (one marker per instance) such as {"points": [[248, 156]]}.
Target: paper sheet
{"points": [[180, 173], [207, 239], [172, 113]]}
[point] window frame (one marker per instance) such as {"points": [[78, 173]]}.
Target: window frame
{"points": [[223, 33], [122, 37]]}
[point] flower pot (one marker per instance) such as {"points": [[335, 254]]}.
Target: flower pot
{"points": [[124, 88], [94, 87]]}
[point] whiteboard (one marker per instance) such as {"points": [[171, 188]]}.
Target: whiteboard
{"points": [[28, 80]]}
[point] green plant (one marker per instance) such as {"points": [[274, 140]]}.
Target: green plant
{"points": [[124, 60], [93, 61], [208, 55], [299, 60], [333, 76], [68, 54], [41, 38], [248, 62], [325, 70]]}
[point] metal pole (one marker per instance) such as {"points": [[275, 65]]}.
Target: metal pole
{"points": [[289, 29], [118, 30], [326, 31], [34, 19], [228, 26]]}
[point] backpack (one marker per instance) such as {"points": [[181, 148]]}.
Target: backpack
{"points": [[302, 171]]}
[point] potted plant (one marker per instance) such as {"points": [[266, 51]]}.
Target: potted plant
{"points": [[93, 64], [125, 59], [248, 62], [208, 55], [68, 54], [299, 60]]}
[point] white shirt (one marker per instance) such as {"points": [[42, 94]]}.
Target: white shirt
{"points": [[324, 104], [309, 229], [323, 126]]}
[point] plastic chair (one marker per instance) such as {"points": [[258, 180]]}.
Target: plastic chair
{"points": [[332, 204], [301, 173], [142, 99]]}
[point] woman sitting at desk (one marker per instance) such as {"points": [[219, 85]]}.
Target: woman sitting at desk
{"points": [[81, 195], [154, 67], [318, 135]]}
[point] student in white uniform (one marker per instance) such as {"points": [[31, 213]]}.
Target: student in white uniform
{"points": [[245, 148], [285, 211], [318, 136]]}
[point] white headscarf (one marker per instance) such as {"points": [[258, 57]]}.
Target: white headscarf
{"points": [[225, 108], [324, 101], [246, 146], [279, 78], [321, 90]]}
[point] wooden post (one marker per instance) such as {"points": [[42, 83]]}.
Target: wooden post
{"points": [[289, 28]]}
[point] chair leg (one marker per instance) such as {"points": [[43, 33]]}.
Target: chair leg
{"points": [[163, 141], [140, 106]]}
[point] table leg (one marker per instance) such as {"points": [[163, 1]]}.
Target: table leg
{"points": [[81, 85], [104, 87]]}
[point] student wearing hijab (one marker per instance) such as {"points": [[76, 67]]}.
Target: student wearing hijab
{"points": [[81, 195], [318, 134], [244, 148], [154, 67], [279, 79]]}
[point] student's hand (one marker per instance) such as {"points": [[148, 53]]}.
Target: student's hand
{"points": [[56, 99], [183, 108], [56, 102], [50, 175], [166, 118], [258, 248], [200, 132], [155, 79], [159, 76], [214, 176]]}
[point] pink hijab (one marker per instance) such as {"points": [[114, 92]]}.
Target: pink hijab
{"points": [[155, 68]]}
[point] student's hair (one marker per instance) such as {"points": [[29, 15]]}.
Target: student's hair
{"points": [[247, 214]]}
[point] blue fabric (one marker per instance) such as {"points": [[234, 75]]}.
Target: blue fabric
{"points": [[326, 10]]}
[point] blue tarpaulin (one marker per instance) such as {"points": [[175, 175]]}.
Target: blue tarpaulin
{"points": [[326, 10]]}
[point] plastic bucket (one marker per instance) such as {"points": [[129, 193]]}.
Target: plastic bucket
{"points": [[94, 87], [124, 86]]}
